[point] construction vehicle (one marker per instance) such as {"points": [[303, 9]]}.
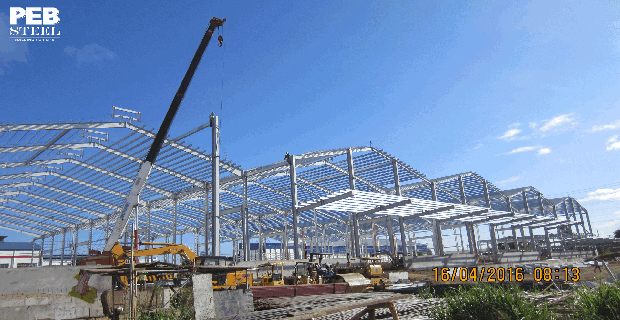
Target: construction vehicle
{"points": [[374, 272], [273, 274], [232, 280], [120, 255], [305, 273]]}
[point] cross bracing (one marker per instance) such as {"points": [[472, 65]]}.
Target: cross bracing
{"points": [[73, 177]]}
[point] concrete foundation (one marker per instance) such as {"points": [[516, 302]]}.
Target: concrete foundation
{"points": [[232, 303], [43, 293]]}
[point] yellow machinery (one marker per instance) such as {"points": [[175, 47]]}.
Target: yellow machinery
{"points": [[374, 272], [306, 273], [120, 255], [232, 280], [273, 275]]}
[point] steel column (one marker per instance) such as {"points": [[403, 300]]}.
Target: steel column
{"points": [[401, 220], [437, 238], [514, 238], [525, 205], [51, 252], [244, 220], [542, 207], [532, 239], [433, 191], [355, 240], [107, 227], [293, 175], [75, 242], [90, 238], [462, 189], [215, 184], [206, 223], [260, 239], [148, 227], [62, 250], [471, 237], [487, 199], [174, 224], [41, 252], [493, 240]]}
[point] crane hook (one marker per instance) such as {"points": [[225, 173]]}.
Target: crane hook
{"points": [[220, 39]]}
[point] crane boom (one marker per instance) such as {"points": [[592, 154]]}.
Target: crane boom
{"points": [[145, 167]]}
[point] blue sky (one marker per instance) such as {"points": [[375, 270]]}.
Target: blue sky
{"points": [[524, 93]]}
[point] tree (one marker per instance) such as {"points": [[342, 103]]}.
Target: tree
{"points": [[617, 233]]}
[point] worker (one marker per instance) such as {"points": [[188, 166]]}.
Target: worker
{"points": [[597, 266]]}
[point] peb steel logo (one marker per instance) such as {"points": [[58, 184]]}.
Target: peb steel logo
{"points": [[34, 24]]}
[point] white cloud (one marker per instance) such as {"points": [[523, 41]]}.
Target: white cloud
{"points": [[510, 134], [560, 122], [603, 194], [544, 151], [509, 180], [522, 149], [514, 125], [541, 150], [90, 53], [611, 126], [533, 125], [613, 143], [478, 146]]}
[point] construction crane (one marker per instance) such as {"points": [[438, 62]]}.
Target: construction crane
{"points": [[145, 167]]}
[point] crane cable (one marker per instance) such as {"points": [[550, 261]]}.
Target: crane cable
{"points": [[221, 40]]}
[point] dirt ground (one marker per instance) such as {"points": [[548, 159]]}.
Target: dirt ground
{"points": [[585, 274]]}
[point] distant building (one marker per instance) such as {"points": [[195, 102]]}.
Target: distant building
{"points": [[18, 254]]}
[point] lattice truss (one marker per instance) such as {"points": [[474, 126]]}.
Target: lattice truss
{"points": [[71, 177]]}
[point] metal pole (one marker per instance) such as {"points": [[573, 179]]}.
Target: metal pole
{"points": [[293, 174], [148, 227], [75, 245], [487, 199], [51, 251], [244, 219], [174, 224], [215, 183], [260, 239], [41, 252], [525, 205], [462, 189], [355, 240], [433, 191], [206, 225], [107, 227], [493, 240], [401, 220], [62, 250], [90, 238]]}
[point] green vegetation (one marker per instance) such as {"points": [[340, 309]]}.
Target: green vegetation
{"points": [[89, 296], [601, 303], [181, 308], [496, 302], [484, 302]]}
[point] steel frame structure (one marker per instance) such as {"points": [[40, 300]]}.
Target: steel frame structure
{"points": [[71, 178]]}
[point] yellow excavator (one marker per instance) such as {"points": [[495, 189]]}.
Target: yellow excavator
{"points": [[120, 255]]}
